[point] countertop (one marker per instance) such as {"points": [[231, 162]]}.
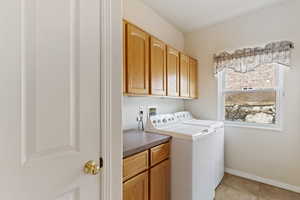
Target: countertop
{"points": [[135, 141]]}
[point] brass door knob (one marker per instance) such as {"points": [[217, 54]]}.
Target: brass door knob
{"points": [[91, 168]]}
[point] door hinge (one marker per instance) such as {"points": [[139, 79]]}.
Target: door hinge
{"points": [[101, 162]]}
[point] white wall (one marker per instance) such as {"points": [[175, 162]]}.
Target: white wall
{"points": [[268, 154], [136, 12]]}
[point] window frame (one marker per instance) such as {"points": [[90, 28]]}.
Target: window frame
{"points": [[278, 126]]}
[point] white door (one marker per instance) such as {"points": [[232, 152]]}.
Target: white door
{"points": [[49, 99]]}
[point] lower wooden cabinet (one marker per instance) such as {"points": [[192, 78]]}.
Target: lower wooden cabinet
{"points": [[135, 164], [160, 181], [143, 180], [159, 153], [137, 188]]}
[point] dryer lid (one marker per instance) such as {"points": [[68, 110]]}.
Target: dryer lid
{"points": [[205, 123]]}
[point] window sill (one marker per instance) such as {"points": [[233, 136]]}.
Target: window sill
{"points": [[250, 126]]}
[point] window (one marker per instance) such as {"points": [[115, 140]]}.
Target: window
{"points": [[252, 98]]}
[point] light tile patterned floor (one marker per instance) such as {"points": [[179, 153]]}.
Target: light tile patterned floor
{"points": [[236, 188]]}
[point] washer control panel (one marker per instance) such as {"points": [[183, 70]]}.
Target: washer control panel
{"points": [[183, 116], [168, 119], [163, 120]]}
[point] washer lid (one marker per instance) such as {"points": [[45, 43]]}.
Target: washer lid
{"points": [[184, 131]]}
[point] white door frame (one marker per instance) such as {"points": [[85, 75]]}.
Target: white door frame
{"points": [[111, 99]]}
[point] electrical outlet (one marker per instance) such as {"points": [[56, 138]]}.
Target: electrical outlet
{"points": [[141, 108]]}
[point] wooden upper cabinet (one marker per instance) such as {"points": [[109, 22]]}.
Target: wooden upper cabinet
{"points": [[160, 181], [137, 188], [158, 75], [172, 72], [124, 57], [193, 78], [184, 75], [137, 60], [152, 67]]}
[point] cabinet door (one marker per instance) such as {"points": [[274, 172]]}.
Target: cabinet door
{"points": [[158, 73], [193, 78], [136, 188], [124, 57], [137, 59], [160, 181], [184, 75], [135, 164], [172, 72]]}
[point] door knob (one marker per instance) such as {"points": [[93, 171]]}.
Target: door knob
{"points": [[91, 168]]}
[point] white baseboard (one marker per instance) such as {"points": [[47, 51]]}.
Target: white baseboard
{"points": [[263, 180]]}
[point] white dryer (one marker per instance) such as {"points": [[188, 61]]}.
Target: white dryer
{"points": [[192, 157], [187, 119]]}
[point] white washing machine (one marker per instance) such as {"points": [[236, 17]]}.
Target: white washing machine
{"points": [[192, 157], [187, 118]]}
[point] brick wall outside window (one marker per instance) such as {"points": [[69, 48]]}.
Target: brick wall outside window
{"points": [[262, 77], [254, 106]]}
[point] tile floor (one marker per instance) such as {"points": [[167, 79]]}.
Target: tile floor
{"points": [[236, 188]]}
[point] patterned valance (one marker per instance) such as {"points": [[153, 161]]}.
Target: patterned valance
{"points": [[244, 60]]}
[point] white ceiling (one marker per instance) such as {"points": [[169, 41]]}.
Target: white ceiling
{"points": [[188, 15]]}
